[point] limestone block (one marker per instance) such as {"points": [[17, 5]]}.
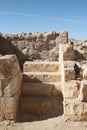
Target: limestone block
{"points": [[41, 76], [7, 63], [75, 110], [10, 108], [13, 86], [42, 89], [85, 73], [30, 37], [71, 89], [49, 36], [67, 51], [44, 55], [57, 90], [54, 54], [69, 74], [69, 64], [10, 82], [41, 66], [63, 37], [64, 33], [83, 91], [37, 89], [69, 71]]}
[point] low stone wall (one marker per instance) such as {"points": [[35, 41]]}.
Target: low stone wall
{"points": [[74, 85], [10, 81]]}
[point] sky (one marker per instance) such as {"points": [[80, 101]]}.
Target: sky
{"points": [[44, 16]]}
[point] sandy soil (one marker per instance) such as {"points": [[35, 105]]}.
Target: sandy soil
{"points": [[58, 123]]}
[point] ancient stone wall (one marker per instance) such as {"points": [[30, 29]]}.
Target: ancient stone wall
{"points": [[10, 82], [40, 46], [33, 46], [74, 84], [72, 57]]}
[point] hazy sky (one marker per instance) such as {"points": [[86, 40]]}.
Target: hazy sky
{"points": [[44, 16]]}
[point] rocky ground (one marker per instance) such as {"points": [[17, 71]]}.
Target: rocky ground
{"points": [[58, 123]]}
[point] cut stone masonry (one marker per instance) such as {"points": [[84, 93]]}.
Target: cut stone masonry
{"points": [[54, 77], [74, 88], [10, 83]]}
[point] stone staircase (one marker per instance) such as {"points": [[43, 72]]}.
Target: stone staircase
{"points": [[41, 89]]}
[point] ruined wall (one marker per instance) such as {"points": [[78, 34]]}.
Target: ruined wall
{"points": [[72, 56], [40, 46], [33, 46], [10, 82], [74, 84], [80, 49]]}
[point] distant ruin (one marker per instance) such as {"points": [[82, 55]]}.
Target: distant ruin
{"points": [[42, 73]]}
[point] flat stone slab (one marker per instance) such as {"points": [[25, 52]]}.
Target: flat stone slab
{"points": [[41, 66], [42, 89], [39, 104], [41, 76]]}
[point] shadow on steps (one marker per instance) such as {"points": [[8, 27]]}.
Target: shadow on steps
{"points": [[30, 117], [39, 101]]}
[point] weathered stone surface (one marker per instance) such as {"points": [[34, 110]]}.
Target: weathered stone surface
{"points": [[19, 44], [83, 91], [10, 108], [13, 87], [43, 47], [69, 64], [75, 110], [54, 54], [71, 89], [80, 49], [85, 73], [69, 74], [33, 46], [68, 52], [41, 66], [44, 55], [10, 81], [41, 76], [7, 63], [30, 37], [57, 90], [63, 37]]}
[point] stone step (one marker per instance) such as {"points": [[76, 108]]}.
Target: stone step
{"points": [[41, 76], [41, 89], [39, 104], [29, 117], [40, 66]]}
